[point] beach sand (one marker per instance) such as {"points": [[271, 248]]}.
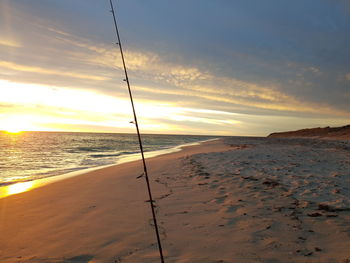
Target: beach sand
{"points": [[230, 200]]}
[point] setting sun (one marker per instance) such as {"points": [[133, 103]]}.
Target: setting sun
{"points": [[14, 128], [16, 124], [14, 131]]}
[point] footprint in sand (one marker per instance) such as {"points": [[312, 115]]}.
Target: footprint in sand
{"points": [[222, 191], [231, 209], [221, 199], [79, 259], [232, 221]]}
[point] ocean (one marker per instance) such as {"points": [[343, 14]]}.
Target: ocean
{"points": [[30, 156]]}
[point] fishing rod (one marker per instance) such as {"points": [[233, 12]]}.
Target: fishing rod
{"points": [[151, 201]]}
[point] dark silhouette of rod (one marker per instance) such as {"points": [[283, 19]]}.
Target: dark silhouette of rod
{"points": [[151, 201]]}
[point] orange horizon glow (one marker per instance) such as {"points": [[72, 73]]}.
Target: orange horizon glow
{"points": [[62, 109]]}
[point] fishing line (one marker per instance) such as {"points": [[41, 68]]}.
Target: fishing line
{"points": [[138, 133]]}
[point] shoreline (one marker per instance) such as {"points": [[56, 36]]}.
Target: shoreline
{"points": [[23, 186], [106, 210]]}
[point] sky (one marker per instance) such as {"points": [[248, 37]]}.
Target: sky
{"points": [[224, 67]]}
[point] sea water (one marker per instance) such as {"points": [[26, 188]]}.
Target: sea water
{"points": [[29, 156]]}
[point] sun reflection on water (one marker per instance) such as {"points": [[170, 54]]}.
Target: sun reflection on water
{"points": [[19, 188]]}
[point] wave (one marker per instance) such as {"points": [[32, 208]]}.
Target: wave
{"points": [[46, 154], [90, 149], [112, 154]]}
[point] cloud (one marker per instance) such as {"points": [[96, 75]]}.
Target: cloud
{"points": [[176, 78], [47, 71], [196, 83], [55, 106], [9, 43], [96, 62]]}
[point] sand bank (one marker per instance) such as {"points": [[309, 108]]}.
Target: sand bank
{"points": [[333, 133], [238, 200]]}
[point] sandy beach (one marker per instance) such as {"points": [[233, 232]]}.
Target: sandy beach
{"points": [[229, 200]]}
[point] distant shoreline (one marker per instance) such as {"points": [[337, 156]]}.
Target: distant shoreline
{"points": [[336, 133]]}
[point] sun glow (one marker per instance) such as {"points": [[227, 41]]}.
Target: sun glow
{"points": [[67, 109], [16, 124], [13, 130]]}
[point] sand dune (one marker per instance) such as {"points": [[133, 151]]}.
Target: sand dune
{"points": [[342, 133], [234, 200]]}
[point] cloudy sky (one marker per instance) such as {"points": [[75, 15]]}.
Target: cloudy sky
{"points": [[229, 67]]}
